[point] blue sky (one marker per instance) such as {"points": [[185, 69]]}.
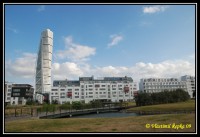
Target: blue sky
{"points": [[101, 40]]}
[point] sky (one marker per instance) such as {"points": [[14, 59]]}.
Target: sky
{"points": [[138, 41]]}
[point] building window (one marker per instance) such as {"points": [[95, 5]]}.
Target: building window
{"points": [[16, 94], [8, 94], [76, 89], [54, 89], [62, 94], [62, 89], [96, 86], [16, 90]]}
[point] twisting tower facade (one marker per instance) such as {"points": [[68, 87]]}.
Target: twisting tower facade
{"points": [[43, 68]]}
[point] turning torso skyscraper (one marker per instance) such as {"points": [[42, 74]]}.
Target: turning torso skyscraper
{"points": [[43, 68]]}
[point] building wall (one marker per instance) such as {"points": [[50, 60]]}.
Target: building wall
{"points": [[88, 91], [9, 100], [190, 83], [7, 92], [150, 85], [43, 69]]}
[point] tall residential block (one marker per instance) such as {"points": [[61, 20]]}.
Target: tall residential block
{"points": [[43, 68]]}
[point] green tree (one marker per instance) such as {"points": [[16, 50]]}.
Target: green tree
{"points": [[76, 105]]}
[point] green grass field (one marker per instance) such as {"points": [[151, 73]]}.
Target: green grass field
{"points": [[186, 106], [158, 123]]}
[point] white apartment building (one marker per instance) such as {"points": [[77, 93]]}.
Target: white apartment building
{"points": [[150, 85], [190, 84], [86, 89]]}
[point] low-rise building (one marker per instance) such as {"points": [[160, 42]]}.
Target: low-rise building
{"points": [[150, 85], [17, 94], [86, 89]]}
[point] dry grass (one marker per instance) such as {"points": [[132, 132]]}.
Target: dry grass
{"points": [[128, 124], [132, 124]]}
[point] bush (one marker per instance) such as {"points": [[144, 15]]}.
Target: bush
{"points": [[166, 96], [30, 102], [76, 105]]}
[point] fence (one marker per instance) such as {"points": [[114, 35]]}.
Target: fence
{"points": [[55, 109]]}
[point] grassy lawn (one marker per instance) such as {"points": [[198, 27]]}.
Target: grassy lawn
{"points": [[131, 104], [127, 124], [124, 124], [186, 106]]}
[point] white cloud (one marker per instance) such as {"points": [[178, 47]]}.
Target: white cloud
{"points": [[41, 8], [13, 30], [169, 68], [65, 70], [115, 39], [23, 67], [175, 68], [68, 41], [75, 52], [154, 9]]}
